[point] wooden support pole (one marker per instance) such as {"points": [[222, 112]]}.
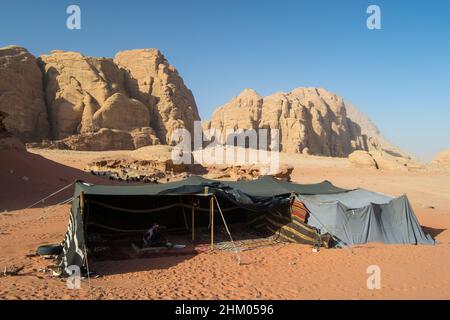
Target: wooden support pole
{"points": [[212, 222], [193, 221], [82, 202]]}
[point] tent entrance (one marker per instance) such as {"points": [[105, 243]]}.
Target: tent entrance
{"points": [[115, 225]]}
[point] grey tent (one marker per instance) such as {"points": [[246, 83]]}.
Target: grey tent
{"points": [[361, 216]]}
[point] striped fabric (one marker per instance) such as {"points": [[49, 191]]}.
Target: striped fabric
{"points": [[299, 210], [290, 229]]}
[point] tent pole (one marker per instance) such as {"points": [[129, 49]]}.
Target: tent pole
{"points": [[193, 221], [228, 230], [212, 221], [82, 201]]}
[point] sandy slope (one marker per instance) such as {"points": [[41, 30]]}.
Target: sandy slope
{"points": [[289, 271]]}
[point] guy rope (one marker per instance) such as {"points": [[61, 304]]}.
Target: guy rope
{"points": [[228, 231]]}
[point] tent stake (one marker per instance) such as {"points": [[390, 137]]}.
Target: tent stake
{"points": [[212, 222]]}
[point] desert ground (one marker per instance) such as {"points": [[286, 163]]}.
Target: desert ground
{"points": [[285, 271]]}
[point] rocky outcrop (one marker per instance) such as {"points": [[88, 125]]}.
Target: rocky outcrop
{"points": [[383, 160], [442, 159], [309, 120], [7, 140], [22, 94], [85, 94], [150, 79], [67, 100], [136, 170], [362, 159]]}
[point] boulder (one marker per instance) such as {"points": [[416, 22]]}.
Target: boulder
{"points": [[362, 159]]}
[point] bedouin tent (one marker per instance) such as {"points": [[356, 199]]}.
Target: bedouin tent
{"points": [[320, 212], [134, 209]]}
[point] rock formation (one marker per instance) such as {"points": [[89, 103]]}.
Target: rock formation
{"points": [[363, 159], [71, 101], [22, 94], [150, 79], [383, 160], [7, 140], [68, 100], [309, 120], [77, 90], [442, 159]]}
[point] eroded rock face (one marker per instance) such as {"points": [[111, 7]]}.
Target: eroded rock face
{"points": [[138, 93], [7, 140], [150, 79], [22, 95], [309, 120], [85, 94]]}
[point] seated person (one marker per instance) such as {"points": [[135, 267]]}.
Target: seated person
{"points": [[154, 238]]}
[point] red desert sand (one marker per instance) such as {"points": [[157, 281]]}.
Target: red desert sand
{"points": [[286, 271]]}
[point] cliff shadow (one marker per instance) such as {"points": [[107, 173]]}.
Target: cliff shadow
{"points": [[27, 178]]}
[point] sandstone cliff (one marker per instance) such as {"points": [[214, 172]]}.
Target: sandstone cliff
{"points": [[22, 94], [309, 120], [7, 140], [150, 79], [73, 101]]}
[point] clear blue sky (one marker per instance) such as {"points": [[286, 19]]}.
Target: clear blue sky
{"points": [[399, 76]]}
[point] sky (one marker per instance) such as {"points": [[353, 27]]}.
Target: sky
{"points": [[399, 76]]}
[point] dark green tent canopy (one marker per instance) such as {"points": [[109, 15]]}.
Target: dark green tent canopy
{"points": [[266, 186]]}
